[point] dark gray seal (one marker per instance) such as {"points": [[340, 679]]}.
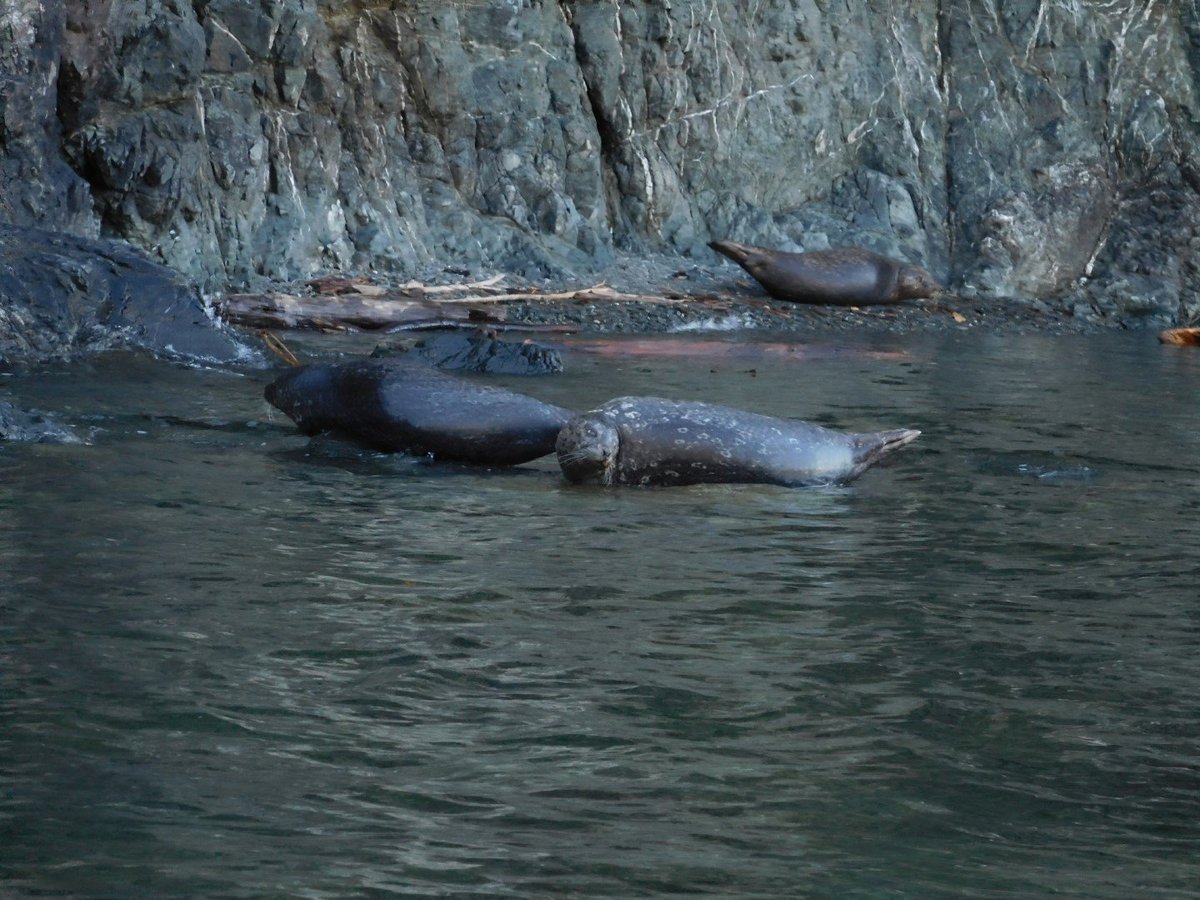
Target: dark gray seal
{"points": [[651, 441], [848, 276], [403, 406]]}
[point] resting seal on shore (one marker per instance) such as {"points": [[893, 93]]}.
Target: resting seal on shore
{"points": [[399, 405], [651, 441], [847, 277]]}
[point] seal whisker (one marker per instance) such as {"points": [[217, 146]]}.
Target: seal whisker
{"points": [[576, 455]]}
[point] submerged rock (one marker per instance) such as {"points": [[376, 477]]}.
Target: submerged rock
{"points": [[34, 427], [480, 352]]}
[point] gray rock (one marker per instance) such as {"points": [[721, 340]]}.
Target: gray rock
{"points": [[17, 424]]}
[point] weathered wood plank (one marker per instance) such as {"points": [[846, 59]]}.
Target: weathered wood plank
{"points": [[336, 311], [345, 304], [1181, 336]]}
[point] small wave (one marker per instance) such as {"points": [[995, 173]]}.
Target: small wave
{"points": [[1057, 473], [1049, 470], [732, 322]]}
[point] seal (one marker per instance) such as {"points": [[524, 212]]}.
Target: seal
{"points": [[402, 406], [652, 441], [848, 276]]}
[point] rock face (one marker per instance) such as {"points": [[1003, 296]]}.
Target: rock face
{"points": [[1034, 149]]}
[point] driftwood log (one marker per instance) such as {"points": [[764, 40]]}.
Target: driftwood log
{"points": [[339, 312], [1181, 336], [345, 304]]}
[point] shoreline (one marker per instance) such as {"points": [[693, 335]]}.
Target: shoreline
{"points": [[683, 296]]}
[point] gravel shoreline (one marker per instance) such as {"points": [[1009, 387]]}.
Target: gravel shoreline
{"points": [[721, 296], [681, 295]]}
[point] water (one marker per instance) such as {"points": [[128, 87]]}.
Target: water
{"points": [[234, 664]]}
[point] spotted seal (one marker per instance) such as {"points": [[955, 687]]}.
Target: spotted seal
{"points": [[400, 405], [652, 441], [848, 276]]}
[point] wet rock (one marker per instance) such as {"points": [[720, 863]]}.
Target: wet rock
{"points": [[61, 295], [481, 352], [34, 427]]}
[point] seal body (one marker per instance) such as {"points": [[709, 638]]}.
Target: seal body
{"points": [[848, 276], [403, 406], [652, 441]]}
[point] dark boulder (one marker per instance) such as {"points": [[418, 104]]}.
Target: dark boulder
{"points": [[17, 424], [62, 294]]}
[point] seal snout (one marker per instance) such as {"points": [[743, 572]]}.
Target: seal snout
{"points": [[888, 440], [900, 437], [872, 446]]}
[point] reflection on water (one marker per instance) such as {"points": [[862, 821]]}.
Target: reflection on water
{"points": [[236, 663]]}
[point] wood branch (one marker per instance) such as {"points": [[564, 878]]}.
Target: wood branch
{"points": [[478, 325], [338, 285], [449, 288], [276, 345], [599, 293]]}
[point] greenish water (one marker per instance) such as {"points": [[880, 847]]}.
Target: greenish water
{"points": [[234, 664]]}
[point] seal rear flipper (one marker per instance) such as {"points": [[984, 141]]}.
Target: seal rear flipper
{"points": [[739, 253]]}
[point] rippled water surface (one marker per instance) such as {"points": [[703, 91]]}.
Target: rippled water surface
{"points": [[234, 663]]}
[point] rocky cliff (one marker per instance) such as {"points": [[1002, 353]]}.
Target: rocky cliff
{"points": [[1031, 149]]}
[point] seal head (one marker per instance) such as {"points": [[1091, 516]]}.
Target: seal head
{"points": [[914, 283], [587, 449]]}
